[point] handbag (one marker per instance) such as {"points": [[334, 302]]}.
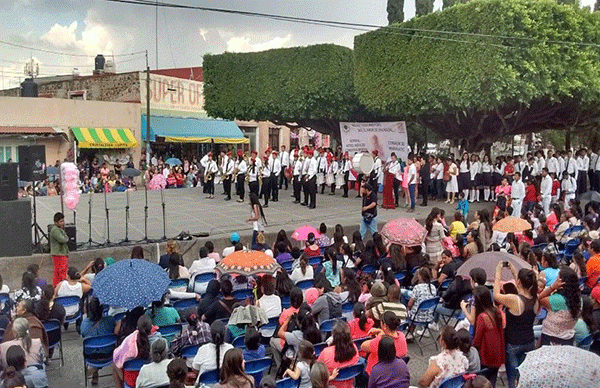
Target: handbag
{"points": [[368, 217], [446, 176]]}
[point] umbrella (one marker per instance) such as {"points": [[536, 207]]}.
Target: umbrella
{"points": [[157, 182], [558, 367], [590, 196], [51, 170], [130, 283], [173, 162], [511, 224], [301, 234], [131, 172], [404, 231], [248, 263], [488, 261]]}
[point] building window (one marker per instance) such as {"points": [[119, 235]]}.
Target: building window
{"points": [[274, 138], [6, 154], [250, 133]]}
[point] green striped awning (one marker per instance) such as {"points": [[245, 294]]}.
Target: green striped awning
{"points": [[104, 137]]}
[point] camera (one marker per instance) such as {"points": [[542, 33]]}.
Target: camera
{"points": [[505, 264]]}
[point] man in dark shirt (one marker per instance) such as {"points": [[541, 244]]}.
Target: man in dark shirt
{"points": [[223, 307], [425, 175], [369, 211]]}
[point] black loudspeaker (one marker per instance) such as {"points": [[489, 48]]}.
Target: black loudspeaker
{"points": [[32, 163], [8, 182], [15, 224], [71, 234]]}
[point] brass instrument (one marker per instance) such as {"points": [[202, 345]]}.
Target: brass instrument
{"points": [[208, 176]]}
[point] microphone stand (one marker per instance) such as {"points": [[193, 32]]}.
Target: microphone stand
{"points": [[162, 198], [126, 240], [90, 243], [107, 218]]}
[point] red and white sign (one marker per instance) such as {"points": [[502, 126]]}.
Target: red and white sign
{"points": [[173, 94]]}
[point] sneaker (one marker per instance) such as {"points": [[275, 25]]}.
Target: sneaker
{"points": [[421, 332], [434, 326]]}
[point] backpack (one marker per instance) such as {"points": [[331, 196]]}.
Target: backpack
{"points": [[335, 306]]}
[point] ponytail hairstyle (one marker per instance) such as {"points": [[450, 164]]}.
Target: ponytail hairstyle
{"points": [[449, 337], [158, 350], [430, 218], [359, 312], [73, 273], [233, 367], [21, 328], [144, 326], [391, 320], [331, 254], [156, 305], [477, 240], [570, 291], [528, 281], [174, 259], [386, 351], [177, 373], [28, 283], [306, 352], [303, 263], [388, 274], [464, 340], [217, 334], [12, 378], [425, 276], [351, 284], [579, 260]]}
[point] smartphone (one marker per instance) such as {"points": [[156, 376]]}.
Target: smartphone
{"points": [[505, 264]]}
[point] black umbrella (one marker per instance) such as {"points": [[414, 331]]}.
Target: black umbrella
{"points": [[131, 172]]}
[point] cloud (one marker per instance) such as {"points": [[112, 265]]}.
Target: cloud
{"points": [[244, 43], [61, 36], [95, 38], [203, 33]]}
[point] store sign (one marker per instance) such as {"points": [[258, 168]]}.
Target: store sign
{"points": [[173, 94], [385, 137]]}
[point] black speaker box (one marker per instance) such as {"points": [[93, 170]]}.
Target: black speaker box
{"points": [[32, 163], [15, 224], [8, 182], [71, 231]]}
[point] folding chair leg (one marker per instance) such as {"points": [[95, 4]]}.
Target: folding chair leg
{"points": [[85, 376], [62, 359], [431, 334]]}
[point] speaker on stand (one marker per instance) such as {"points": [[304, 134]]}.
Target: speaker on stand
{"points": [[32, 168], [8, 182]]}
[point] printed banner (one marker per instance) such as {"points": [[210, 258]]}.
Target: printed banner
{"points": [[173, 94], [386, 137]]}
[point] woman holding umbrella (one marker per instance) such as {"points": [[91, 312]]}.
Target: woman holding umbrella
{"points": [[435, 234], [258, 217]]}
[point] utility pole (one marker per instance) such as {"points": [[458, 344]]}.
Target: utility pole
{"points": [[156, 34], [147, 110]]}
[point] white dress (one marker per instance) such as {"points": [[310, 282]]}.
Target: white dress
{"points": [[452, 186]]}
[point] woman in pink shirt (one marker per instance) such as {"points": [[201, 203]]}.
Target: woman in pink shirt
{"points": [[342, 353], [389, 327]]}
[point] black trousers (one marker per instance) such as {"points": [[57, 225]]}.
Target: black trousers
{"points": [[239, 186], [425, 191], [297, 185], [594, 182], [312, 191], [210, 186], [396, 191], [253, 187], [305, 189], [282, 178], [581, 182], [346, 175], [265, 190], [275, 187], [227, 186]]}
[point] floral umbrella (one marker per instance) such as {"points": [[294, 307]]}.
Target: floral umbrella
{"points": [[511, 224], [404, 231], [248, 263], [301, 234]]}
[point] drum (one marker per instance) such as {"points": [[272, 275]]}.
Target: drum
{"points": [[362, 163], [329, 179], [339, 180], [320, 178]]}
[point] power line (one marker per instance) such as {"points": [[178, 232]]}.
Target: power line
{"points": [[347, 25], [63, 53]]}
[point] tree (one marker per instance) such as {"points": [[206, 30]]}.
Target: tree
{"points": [[450, 3], [423, 7], [498, 74], [597, 6], [395, 11], [309, 86]]}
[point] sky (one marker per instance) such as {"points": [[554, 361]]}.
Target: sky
{"points": [[89, 27]]}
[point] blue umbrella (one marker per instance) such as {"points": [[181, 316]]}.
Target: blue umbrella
{"points": [[130, 283], [173, 162]]}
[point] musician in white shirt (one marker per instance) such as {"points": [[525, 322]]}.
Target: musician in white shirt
{"points": [[284, 160], [569, 187], [275, 176], [265, 188], [321, 168], [297, 176], [313, 168], [332, 169], [439, 178], [395, 168], [376, 173], [595, 170], [517, 193], [347, 165], [211, 169], [227, 170], [546, 190], [253, 173], [571, 165], [241, 168], [308, 153], [581, 172]]}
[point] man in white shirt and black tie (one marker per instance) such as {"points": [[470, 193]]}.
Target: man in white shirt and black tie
{"points": [[275, 176], [569, 188], [313, 168], [517, 193], [395, 169], [284, 160], [546, 190], [297, 176]]}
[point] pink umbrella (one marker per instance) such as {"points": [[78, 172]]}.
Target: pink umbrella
{"points": [[404, 231], [301, 234], [158, 182]]}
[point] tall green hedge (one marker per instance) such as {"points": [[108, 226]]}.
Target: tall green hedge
{"points": [[406, 69], [290, 84]]}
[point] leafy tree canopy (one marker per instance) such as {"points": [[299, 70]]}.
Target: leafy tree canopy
{"points": [[468, 85], [311, 86]]}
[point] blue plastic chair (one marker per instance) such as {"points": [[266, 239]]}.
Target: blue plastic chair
{"points": [[133, 366], [183, 304], [120, 316], [350, 372], [586, 342], [359, 341], [347, 307], [178, 283], [285, 302], [305, 284], [452, 382], [400, 276], [98, 353], [255, 368], [570, 248], [242, 294], [287, 266], [271, 325], [369, 268], [319, 347], [238, 342], [54, 332], [288, 382], [189, 351], [69, 301], [327, 325], [201, 281], [169, 332], [314, 261], [209, 377], [445, 284], [426, 305]]}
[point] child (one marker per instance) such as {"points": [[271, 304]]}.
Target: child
{"points": [[464, 339], [463, 205], [306, 358], [457, 226], [254, 349], [423, 290]]}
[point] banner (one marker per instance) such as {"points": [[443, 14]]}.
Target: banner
{"points": [[172, 94], [386, 137]]}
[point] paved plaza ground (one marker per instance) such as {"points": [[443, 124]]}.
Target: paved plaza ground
{"points": [[189, 210]]}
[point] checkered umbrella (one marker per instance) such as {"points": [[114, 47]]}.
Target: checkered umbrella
{"points": [[404, 231], [248, 263]]}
